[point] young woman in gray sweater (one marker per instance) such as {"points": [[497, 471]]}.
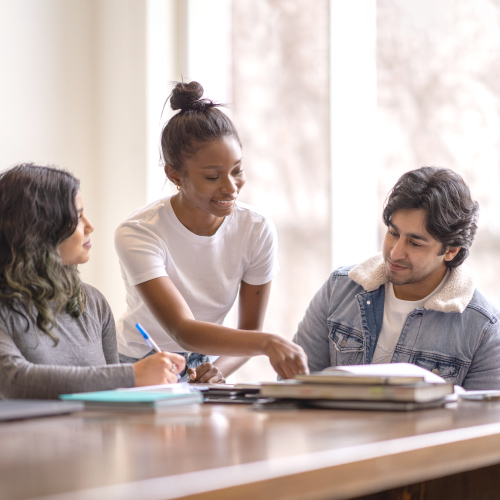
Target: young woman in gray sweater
{"points": [[57, 334]]}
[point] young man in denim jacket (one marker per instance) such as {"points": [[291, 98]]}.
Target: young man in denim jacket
{"points": [[415, 302]]}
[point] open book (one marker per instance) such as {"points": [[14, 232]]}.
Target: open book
{"points": [[388, 373]]}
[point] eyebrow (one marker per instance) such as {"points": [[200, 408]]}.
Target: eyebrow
{"points": [[414, 236], [236, 163]]}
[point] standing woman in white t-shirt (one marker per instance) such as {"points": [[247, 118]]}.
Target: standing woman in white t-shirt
{"points": [[184, 258]]}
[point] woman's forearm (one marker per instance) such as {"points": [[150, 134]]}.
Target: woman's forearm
{"points": [[173, 314], [229, 364]]}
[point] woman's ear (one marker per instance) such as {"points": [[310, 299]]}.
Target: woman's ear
{"points": [[173, 175]]}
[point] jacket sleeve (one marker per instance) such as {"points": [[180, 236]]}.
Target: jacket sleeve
{"points": [[484, 372], [312, 333]]}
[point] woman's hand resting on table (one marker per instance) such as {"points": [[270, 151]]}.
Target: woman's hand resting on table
{"points": [[206, 373]]}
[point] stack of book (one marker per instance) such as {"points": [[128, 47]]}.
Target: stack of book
{"points": [[228, 393], [394, 386]]}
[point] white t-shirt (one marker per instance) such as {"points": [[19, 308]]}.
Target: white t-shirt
{"points": [[395, 313], [207, 270]]}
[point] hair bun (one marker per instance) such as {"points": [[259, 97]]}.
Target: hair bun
{"points": [[186, 96]]}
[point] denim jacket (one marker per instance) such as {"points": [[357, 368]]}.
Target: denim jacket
{"points": [[456, 334]]}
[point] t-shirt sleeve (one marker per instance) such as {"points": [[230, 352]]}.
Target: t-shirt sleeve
{"points": [[141, 253], [264, 263]]}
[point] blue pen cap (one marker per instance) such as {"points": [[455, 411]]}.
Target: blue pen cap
{"points": [[144, 334]]}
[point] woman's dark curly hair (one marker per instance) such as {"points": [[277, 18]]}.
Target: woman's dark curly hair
{"points": [[451, 214], [37, 213], [199, 121]]}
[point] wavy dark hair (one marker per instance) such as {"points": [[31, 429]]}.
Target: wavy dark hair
{"points": [[451, 214], [199, 121], [37, 213]]}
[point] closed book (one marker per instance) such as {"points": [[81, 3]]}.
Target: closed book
{"points": [[295, 389], [344, 404], [134, 401], [374, 405], [14, 409]]}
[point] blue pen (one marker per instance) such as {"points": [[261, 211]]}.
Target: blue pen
{"points": [[151, 343]]}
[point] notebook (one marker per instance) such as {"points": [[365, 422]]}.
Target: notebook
{"points": [[134, 401], [13, 409]]}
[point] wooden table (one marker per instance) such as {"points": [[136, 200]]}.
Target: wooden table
{"points": [[235, 452]]}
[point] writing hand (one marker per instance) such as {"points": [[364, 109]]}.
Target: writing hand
{"points": [[159, 368]]}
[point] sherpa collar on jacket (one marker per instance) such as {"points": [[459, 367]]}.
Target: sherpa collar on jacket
{"points": [[453, 297]]}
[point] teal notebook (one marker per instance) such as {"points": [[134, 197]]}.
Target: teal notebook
{"points": [[134, 401]]}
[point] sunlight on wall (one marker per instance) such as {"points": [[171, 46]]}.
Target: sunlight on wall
{"points": [[439, 102], [353, 132]]}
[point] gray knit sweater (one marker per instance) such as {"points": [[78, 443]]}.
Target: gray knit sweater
{"points": [[85, 359]]}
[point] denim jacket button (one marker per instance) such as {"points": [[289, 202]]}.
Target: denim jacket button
{"points": [[343, 343], [436, 371], [368, 302]]}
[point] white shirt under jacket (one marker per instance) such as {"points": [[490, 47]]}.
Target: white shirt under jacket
{"points": [[207, 270]]}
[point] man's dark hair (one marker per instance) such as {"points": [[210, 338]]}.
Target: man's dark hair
{"points": [[451, 214]]}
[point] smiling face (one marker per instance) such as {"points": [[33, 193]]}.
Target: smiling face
{"points": [[414, 260], [209, 184], [75, 249]]}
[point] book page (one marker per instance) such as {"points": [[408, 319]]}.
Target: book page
{"points": [[388, 370]]}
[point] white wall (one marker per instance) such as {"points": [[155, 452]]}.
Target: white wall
{"points": [[355, 209], [80, 82], [118, 183], [47, 82]]}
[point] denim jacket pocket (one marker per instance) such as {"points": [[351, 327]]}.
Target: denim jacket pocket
{"points": [[346, 345], [446, 367]]}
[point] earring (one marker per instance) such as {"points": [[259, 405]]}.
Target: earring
{"points": [[178, 186]]}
